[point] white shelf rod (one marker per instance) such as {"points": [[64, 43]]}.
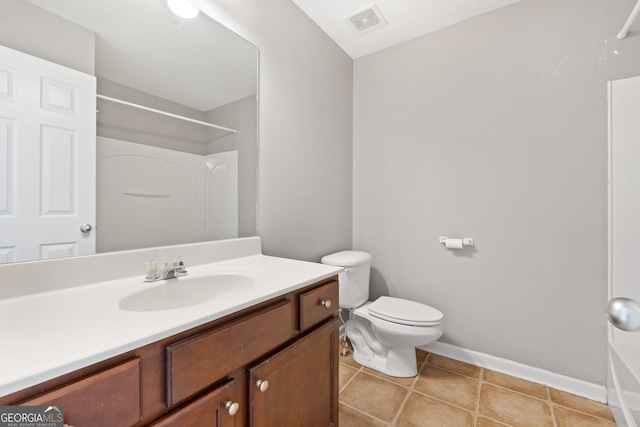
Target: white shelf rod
{"points": [[164, 113], [634, 14]]}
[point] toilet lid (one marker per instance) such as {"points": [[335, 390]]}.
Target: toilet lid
{"points": [[346, 258], [405, 312]]}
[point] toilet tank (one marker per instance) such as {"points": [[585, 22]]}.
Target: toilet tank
{"points": [[353, 283]]}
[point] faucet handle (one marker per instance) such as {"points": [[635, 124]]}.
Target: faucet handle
{"points": [[164, 270], [179, 263], [152, 268]]}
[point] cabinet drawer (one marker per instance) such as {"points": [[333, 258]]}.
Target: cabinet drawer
{"points": [[108, 398], [208, 410], [318, 304], [197, 362]]}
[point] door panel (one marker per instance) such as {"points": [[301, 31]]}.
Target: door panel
{"points": [[47, 158], [625, 194], [302, 384], [624, 245]]}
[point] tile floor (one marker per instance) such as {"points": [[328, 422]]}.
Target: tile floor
{"points": [[451, 393]]}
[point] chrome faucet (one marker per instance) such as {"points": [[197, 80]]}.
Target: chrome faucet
{"points": [[164, 270]]}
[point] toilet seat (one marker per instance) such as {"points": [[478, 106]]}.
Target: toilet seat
{"points": [[405, 312]]}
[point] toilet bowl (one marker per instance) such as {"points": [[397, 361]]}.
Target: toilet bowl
{"points": [[384, 333]]}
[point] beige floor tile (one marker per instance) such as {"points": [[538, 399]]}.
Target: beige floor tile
{"points": [[454, 365], [375, 396], [345, 373], [349, 417], [445, 393], [449, 386], [568, 418], [516, 384], [349, 361], [423, 411], [405, 382], [486, 422], [580, 404], [513, 408]]}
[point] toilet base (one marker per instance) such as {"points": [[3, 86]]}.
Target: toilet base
{"points": [[387, 347], [398, 362]]}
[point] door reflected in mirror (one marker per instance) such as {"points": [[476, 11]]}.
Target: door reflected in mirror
{"points": [[144, 128]]}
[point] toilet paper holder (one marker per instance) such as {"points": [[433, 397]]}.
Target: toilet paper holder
{"points": [[466, 241]]}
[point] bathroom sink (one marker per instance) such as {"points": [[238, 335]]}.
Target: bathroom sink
{"points": [[185, 291]]}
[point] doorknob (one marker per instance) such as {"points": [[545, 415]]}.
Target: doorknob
{"points": [[624, 313], [86, 228]]}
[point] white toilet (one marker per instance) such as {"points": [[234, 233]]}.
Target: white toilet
{"points": [[384, 333]]}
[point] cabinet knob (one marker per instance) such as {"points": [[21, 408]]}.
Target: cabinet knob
{"points": [[262, 385], [232, 407], [326, 303]]}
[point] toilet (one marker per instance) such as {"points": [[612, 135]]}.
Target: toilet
{"points": [[384, 333]]}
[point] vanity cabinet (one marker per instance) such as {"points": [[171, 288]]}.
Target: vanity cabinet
{"points": [[300, 381], [273, 364]]}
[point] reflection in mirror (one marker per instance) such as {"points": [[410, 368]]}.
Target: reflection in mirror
{"points": [[143, 127]]}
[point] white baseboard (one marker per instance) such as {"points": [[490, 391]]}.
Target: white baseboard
{"points": [[540, 376]]}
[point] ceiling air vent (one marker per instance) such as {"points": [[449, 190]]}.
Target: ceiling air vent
{"points": [[367, 19]]}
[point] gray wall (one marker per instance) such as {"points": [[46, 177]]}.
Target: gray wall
{"points": [[143, 127], [305, 110], [241, 115], [496, 129], [305, 122], [46, 36]]}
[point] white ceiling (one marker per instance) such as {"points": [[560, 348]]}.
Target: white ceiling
{"points": [[406, 19]]}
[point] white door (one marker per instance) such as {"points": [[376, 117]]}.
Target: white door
{"points": [[47, 158], [625, 193], [624, 245]]}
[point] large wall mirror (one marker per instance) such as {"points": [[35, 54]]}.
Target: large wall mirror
{"points": [[122, 126]]}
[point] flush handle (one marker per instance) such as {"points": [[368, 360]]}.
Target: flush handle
{"points": [[262, 385], [232, 407], [326, 303]]}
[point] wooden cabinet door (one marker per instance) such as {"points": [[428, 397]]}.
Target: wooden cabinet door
{"points": [[215, 409], [302, 383]]}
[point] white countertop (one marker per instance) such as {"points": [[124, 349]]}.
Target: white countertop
{"points": [[48, 334]]}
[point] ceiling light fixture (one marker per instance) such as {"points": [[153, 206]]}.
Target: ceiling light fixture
{"points": [[183, 8]]}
